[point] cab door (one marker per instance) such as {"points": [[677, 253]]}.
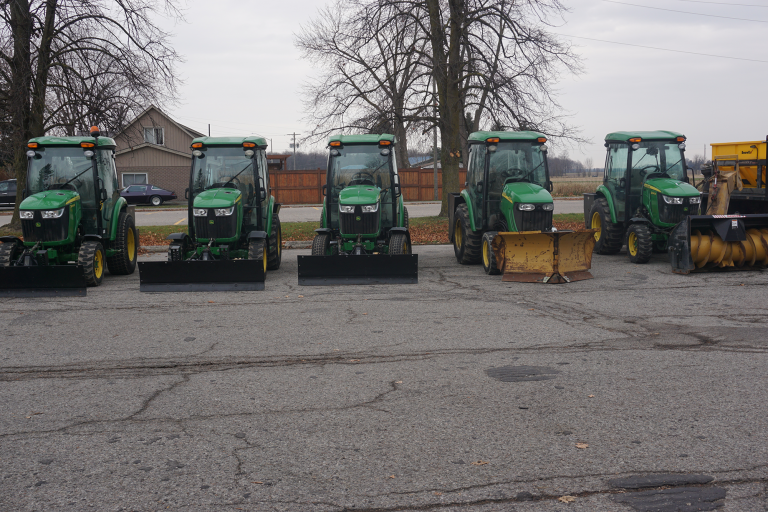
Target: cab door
{"points": [[264, 190], [476, 182], [616, 165]]}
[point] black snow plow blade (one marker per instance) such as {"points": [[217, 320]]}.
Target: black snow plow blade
{"points": [[358, 269], [201, 276], [43, 281]]}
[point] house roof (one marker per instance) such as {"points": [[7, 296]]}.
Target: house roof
{"points": [[189, 131]]}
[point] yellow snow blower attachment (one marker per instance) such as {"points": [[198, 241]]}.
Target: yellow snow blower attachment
{"points": [[544, 257]]}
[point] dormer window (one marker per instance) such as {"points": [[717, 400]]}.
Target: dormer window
{"points": [[154, 135]]}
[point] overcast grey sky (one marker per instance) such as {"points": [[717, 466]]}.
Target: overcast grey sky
{"points": [[243, 73]]}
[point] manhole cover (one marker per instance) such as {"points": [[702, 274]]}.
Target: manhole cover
{"points": [[521, 373]]}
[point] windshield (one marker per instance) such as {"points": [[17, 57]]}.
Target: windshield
{"points": [[359, 165], [517, 161], [53, 167], [219, 167], [659, 157]]}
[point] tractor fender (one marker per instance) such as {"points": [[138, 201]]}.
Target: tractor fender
{"points": [[119, 205], [468, 202], [94, 238], [454, 200], [322, 231], [602, 191], [401, 230], [11, 239], [639, 220], [257, 235], [180, 237], [276, 208]]}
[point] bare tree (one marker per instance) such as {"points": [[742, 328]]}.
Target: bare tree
{"points": [[68, 63]]}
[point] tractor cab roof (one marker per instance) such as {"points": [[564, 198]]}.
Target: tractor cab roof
{"points": [[481, 137], [101, 142], [654, 135], [362, 139], [260, 142]]}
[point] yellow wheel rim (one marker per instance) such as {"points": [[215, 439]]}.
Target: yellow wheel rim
{"points": [[597, 224], [632, 244], [131, 246], [457, 233], [264, 258], [486, 257], [405, 246], [98, 265]]}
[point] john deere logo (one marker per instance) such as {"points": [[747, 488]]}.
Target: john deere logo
{"points": [[358, 218], [40, 225], [210, 222]]}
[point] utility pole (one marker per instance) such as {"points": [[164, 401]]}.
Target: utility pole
{"points": [[434, 141], [294, 146], [209, 129]]}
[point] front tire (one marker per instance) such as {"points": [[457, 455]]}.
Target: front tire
{"points": [[9, 251], [489, 257], [127, 246], [257, 250], [275, 252], [399, 244], [639, 243], [321, 245], [608, 239], [466, 243], [92, 257], [156, 200]]}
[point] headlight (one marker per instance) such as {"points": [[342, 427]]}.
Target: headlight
{"points": [[27, 214], [526, 207], [694, 200], [223, 212], [370, 208], [548, 207], [199, 212], [53, 214], [673, 200], [346, 209]]}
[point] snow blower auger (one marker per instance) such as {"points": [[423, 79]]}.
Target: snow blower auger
{"points": [[234, 224], [503, 218]]}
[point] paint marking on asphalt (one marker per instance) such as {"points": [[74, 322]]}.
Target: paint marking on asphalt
{"points": [[316, 208], [179, 222]]}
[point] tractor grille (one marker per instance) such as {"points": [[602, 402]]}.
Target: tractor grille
{"points": [[368, 223], [675, 213], [536, 220], [216, 227], [49, 230]]}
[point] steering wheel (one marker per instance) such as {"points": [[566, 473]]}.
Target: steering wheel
{"points": [[61, 184], [644, 170], [362, 178], [513, 173]]}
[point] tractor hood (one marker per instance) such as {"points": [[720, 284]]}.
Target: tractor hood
{"points": [[526, 193], [359, 194], [217, 198], [49, 200], [672, 187]]}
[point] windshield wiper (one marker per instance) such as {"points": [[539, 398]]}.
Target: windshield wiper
{"points": [[241, 172], [70, 181]]}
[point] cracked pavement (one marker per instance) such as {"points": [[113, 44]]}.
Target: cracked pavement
{"points": [[382, 398]]}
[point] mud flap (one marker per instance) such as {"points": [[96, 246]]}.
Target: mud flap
{"points": [[43, 281], [704, 243], [359, 269], [201, 276], [544, 257]]}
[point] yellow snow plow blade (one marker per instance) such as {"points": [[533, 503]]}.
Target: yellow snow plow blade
{"points": [[544, 257]]}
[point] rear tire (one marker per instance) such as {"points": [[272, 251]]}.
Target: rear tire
{"points": [[466, 243], [156, 200], [9, 251], [257, 251], [127, 246], [399, 244], [609, 238], [321, 245], [639, 243], [93, 259], [275, 253], [405, 218], [489, 257]]}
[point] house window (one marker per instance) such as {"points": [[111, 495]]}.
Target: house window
{"points": [[134, 179], [154, 136]]}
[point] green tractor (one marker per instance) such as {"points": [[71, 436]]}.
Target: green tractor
{"points": [[73, 220], [234, 223], [503, 217], [364, 237], [645, 193]]}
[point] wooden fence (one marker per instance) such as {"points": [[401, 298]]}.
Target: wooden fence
{"points": [[306, 187]]}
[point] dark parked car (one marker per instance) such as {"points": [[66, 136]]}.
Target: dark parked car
{"points": [[8, 193], [147, 194]]}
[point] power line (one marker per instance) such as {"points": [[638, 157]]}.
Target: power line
{"points": [[685, 12], [722, 3], [665, 49]]}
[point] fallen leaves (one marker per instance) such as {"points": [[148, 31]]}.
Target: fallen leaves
{"points": [[582, 446], [33, 414], [567, 499], [480, 463], [591, 396], [260, 483]]}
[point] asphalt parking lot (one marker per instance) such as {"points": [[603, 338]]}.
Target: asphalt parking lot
{"points": [[460, 392]]}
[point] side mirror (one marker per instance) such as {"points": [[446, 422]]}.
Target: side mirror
{"points": [[186, 193], [103, 195], [550, 187], [263, 194], [325, 190], [622, 182], [397, 190], [479, 186]]}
